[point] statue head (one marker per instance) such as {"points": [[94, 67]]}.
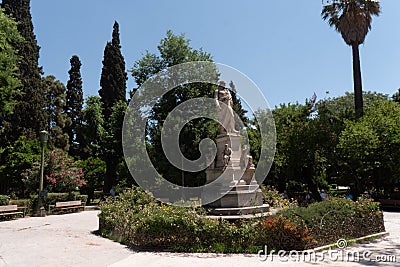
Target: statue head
{"points": [[222, 84]]}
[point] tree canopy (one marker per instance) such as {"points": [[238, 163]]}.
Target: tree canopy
{"points": [[175, 49], [30, 116], [9, 78]]}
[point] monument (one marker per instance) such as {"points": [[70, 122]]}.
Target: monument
{"points": [[240, 193]]}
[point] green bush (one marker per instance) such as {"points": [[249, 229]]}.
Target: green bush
{"points": [[83, 198], [15, 159], [94, 169], [98, 194], [20, 202], [270, 195], [337, 218], [274, 199], [4, 200], [137, 219]]}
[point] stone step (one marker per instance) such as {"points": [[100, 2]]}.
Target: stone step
{"points": [[240, 211]]}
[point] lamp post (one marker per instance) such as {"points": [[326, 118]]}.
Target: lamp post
{"points": [[43, 137]]}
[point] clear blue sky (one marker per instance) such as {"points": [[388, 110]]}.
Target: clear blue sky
{"points": [[283, 46]]}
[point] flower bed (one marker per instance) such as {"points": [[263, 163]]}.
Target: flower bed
{"points": [[136, 219]]}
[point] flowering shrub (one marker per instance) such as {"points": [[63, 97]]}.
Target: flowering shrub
{"points": [[60, 174], [274, 199], [139, 220], [281, 233]]}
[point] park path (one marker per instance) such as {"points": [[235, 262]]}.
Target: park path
{"points": [[67, 240], [57, 240]]}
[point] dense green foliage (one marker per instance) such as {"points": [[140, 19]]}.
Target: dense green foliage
{"points": [[137, 219], [57, 118], [74, 105], [370, 148], [94, 169], [113, 75], [15, 159], [92, 130], [310, 151], [338, 218], [29, 116], [175, 49], [112, 148], [9, 82], [4, 200]]}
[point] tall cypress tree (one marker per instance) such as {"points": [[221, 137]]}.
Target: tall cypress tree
{"points": [[30, 115], [9, 81], [74, 104], [112, 93], [113, 75]]}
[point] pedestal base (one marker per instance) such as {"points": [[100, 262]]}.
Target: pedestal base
{"points": [[241, 211], [239, 192]]}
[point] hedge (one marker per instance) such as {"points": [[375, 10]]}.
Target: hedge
{"points": [[339, 218], [4, 200], [136, 219]]}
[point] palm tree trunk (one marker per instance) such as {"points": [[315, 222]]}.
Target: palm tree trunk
{"points": [[358, 100]]}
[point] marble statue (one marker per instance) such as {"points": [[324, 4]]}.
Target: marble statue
{"points": [[225, 112], [227, 155]]}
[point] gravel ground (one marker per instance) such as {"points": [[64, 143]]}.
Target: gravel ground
{"points": [[67, 240]]}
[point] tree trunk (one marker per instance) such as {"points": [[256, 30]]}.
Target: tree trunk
{"points": [[109, 179], [312, 186], [358, 100]]}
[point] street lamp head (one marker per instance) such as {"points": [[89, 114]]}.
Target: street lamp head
{"points": [[43, 136]]}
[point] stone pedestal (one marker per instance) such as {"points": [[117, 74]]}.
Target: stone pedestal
{"points": [[241, 195]]}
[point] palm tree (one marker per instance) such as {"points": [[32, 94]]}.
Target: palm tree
{"points": [[352, 19]]}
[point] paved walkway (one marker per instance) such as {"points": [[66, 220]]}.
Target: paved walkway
{"points": [[67, 240], [57, 240]]}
